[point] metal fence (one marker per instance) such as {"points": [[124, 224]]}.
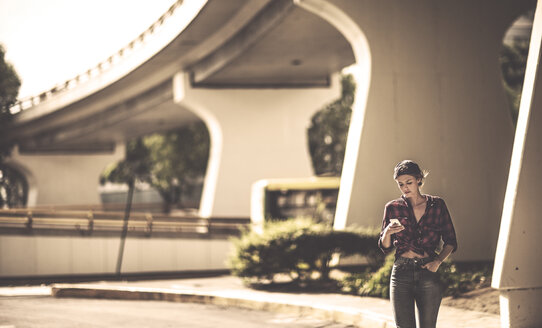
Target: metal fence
{"points": [[91, 222]]}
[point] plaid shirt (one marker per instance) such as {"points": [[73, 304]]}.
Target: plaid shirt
{"points": [[423, 235]]}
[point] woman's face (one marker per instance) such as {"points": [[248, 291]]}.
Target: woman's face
{"points": [[408, 185]]}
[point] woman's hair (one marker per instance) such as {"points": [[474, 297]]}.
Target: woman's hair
{"points": [[411, 168]]}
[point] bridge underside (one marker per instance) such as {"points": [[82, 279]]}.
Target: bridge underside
{"points": [[230, 44]]}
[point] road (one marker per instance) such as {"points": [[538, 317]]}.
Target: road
{"points": [[46, 311]]}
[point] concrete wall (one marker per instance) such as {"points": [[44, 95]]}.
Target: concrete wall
{"points": [[435, 97], [255, 134], [36, 255], [64, 179], [54, 255], [518, 271], [161, 254]]}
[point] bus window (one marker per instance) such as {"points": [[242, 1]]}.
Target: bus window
{"points": [[282, 199]]}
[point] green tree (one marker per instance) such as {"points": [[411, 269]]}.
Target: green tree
{"points": [[171, 162], [513, 62], [179, 160], [9, 90], [329, 130], [134, 167], [13, 186]]}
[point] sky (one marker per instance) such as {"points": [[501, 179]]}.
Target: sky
{"points": [[51, 41]]}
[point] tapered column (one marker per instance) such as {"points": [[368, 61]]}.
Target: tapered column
{"points": [[255, 134], [436, 97], [518, 269]]}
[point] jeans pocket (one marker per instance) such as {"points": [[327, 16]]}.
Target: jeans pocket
{"points": [[434, 276]]}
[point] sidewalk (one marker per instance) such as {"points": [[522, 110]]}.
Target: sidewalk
{"points": [[229, 291]]}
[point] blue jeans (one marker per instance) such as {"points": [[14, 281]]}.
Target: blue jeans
{"points": [[410, 283]]}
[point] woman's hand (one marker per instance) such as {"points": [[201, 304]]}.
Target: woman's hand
{"points": [[390, 230], [432, 266], [393, 228]]}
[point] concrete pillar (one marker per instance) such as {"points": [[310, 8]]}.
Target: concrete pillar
{"points": [[518, 270], [436, 97], [255, 134], [64, 179]]}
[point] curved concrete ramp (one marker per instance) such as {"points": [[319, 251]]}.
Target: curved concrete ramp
{"points": [[218, 43]]}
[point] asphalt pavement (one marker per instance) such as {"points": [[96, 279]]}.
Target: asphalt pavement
{"points": [[228, 291], [53, 312]]}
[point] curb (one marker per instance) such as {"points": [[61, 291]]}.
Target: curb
{"points": [[25, 291], [340, 314]]}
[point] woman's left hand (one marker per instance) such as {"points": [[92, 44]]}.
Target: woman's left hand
{"points": [[432, 266]]}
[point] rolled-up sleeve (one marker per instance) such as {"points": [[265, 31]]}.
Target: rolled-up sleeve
{"points": [[448, 231], [385, 222]]}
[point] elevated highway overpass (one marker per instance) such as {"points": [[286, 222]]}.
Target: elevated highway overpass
{"points": [[428, 88], [217, 44]]}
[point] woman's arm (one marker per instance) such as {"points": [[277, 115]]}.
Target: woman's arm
{"points": [[448, 237], [388, 231], [385, 241], [446, 251], [433, 266]]}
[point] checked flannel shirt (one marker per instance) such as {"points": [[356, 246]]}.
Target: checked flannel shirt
{"points": [[424, 235]]}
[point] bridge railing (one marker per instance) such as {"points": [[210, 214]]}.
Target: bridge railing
{"points": [[34, 100], [87, 223], [142, 207]]}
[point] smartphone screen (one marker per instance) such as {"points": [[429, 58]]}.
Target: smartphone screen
{"points": [[395, 221]]}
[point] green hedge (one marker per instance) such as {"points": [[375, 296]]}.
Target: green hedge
{"points": [[299, 248], [302, 249]]}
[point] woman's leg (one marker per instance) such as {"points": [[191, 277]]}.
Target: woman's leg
{"points": [[428, 295], [402, 296]]}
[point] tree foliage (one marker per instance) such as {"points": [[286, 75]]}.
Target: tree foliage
{"points": [[513, 62], [13, 185], [178, 159], [9, 90], [171, 162], [134, 167], [329, 130]]}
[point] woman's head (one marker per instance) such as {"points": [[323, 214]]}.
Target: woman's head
{"points": [[411, 168], [409, 176]]}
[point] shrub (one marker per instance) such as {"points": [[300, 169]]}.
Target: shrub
{"points": [[299, 248], [461, 280], [454, 280], [370, 284]]}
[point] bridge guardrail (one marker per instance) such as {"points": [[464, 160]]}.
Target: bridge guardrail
{"points": [[31, 101], [30, 222]]}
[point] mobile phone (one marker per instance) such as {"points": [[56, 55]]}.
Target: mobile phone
{"points": [[395, 222]]}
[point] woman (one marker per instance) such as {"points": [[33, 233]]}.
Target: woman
{"points": [[414, 224]]}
